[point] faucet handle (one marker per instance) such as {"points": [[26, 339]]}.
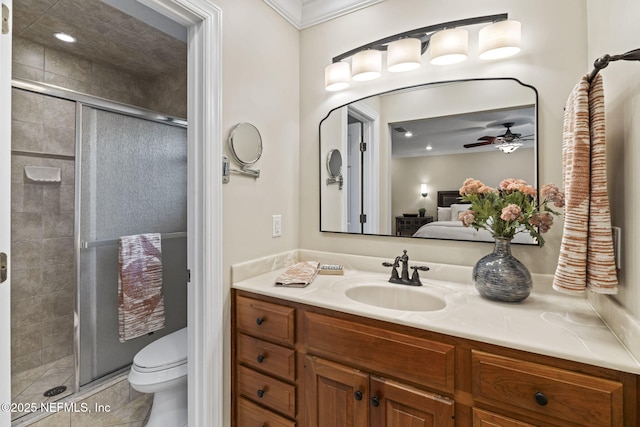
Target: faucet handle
{"points": [[420, 267], [388, 264]]}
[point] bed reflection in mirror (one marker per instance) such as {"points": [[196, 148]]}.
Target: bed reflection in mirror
{"points": [[436, 134]]}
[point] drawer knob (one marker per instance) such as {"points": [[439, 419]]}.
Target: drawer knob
{"points": [[260, 393], [260, 320], [541, 399], [358, 395], [260, 358], [375, 401]]}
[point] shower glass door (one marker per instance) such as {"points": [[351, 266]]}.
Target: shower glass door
{"points": [[131, 179]]}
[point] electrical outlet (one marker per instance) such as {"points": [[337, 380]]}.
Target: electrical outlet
{"points": [[276, 229]]}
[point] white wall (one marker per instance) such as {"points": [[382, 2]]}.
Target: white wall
{"points": [[613, 29], [260, 79], [552, 67]]}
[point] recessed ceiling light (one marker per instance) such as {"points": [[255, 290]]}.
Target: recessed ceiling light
{"points": [[65, 37], [428, 147], [408, 134]]}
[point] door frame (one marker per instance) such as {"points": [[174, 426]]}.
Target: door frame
{"points": [[205, 289], [205, 299]]}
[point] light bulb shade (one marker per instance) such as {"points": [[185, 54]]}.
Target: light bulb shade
{"points": [[449, 46], [499, 40], [366, 65], [508, 147], [337, 76], [404, 55], [423, 190]]}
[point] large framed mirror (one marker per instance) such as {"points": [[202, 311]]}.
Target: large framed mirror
{"points": [[406, 153]]}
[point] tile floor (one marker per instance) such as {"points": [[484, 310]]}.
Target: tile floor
{"points": [[111, 403]]}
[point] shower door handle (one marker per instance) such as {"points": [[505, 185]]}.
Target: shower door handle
{"points": [[3, 267]]}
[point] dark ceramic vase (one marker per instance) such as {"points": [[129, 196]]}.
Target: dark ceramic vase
{"points": [[499, 276]]}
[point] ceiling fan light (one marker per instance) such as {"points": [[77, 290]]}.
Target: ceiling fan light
{"points": [[366, 65], [404, 55], [508, 147], [449, 46], [499, 40], [337, 76]]}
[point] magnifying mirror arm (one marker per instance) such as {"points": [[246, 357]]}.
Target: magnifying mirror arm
{"points": [[337, 179], [227, 169]]}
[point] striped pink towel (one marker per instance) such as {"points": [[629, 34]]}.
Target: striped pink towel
{"points": [[586, 253], [140, 300]]}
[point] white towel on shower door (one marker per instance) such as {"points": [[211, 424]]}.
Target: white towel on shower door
{"points": [[140, 299]]}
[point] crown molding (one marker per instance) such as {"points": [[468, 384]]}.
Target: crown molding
{"points": [[306, 13]]}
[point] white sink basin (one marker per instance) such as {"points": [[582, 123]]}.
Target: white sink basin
{"points": [[396, 297]]}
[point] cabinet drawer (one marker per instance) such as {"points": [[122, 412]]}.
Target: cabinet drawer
{"points": [[543, 390], [268, 391], [487, 419], [252, 415], [266, 320], [271, 358], [389, 353]]}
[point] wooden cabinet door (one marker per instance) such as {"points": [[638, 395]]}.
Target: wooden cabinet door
{"points": [[397, 405], [335, 395]]}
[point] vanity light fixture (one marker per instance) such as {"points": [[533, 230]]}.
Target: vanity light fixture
{"points": [[448, 44], [499, 40], [423, 190], [366, 65], [404, 55], [65, 37], [336, 76]]}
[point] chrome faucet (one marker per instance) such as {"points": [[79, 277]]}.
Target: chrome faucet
{"points": [[403, 277]]}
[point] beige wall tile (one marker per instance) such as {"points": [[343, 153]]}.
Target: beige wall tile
{"points": [[67, 82], [58, 198], [56, 304], [17, 166], [26, 226], [26, 311], [59, 113], [66, 65], [59, 141], [26, 198], [28, 53], [57, 351], [20, 71], [26, 136], [25, 340], [26, 283], [59, 278], [26, 254], [27, 106], [57, 251], [58, 331], [57, 224], [26, 362]]}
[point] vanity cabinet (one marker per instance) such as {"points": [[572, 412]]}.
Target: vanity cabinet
{"points": [[265, 371], [305, 366], [338, 395]]}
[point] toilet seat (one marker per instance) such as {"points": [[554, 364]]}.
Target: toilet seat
{"points": [[164, 353]]}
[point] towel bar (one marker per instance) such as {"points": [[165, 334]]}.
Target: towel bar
{"points": [[109, 242]]}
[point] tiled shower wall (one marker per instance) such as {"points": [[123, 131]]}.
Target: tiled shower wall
{"points": [[42, 269], [41, 233]]}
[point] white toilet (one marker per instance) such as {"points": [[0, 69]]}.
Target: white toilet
{"points": [[161, 368]]}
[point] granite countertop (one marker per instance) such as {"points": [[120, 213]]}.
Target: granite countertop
{"points": [[546, 322]]}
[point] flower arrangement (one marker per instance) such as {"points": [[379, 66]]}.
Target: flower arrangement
{"points": [[511, 208]]}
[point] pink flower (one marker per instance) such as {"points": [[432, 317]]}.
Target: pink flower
{"points": [[486, 189], [470, 186], [553, 194], [467, 217], [512, 184], [511, 212], [530, 191], [542, 220]]}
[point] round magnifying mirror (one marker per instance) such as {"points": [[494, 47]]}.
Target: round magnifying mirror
{"points": [[245, 143], [334, 163]]}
